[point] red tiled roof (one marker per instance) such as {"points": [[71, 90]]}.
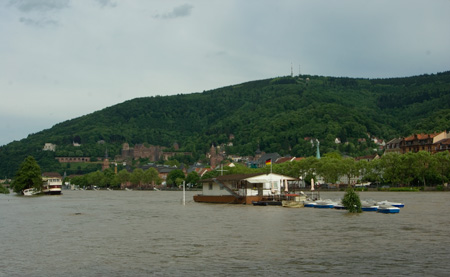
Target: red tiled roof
{"points": [[51, 174], [420, 136], [283, 160]]}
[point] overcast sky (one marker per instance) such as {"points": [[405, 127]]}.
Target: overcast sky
{"points": [[61, 59]]}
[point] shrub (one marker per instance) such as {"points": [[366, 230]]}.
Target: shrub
{"points": [[3, 189], [351, 201]]}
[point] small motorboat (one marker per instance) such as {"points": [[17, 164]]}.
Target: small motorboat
{"points": [[324, 204], [386, 209], [294, 201], [367, 206], [29, 192], [310, 204], [292, 204], [388, 203], [339, 206]]}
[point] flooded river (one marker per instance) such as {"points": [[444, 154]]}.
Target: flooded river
{"points": [[150, 233]]}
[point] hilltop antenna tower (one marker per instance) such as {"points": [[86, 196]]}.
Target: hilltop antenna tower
{"points": [[292, 71]]}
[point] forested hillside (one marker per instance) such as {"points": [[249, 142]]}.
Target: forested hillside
{"points": [[273, 115]]}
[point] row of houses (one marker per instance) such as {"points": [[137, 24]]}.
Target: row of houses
{"points": [[433, 143]]}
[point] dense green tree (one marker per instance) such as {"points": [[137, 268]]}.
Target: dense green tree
{"points": [[172, 162], [173, 175], [109, 178], [351, 201], [123, 176], [3, 189], [391, 168], [137, 177], [95, 178], [330, 167], [192, 178], [80, 181], [28, 176], [151, 177], [441, 164]]}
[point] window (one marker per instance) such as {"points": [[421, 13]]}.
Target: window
{"points": [[210, 186]]}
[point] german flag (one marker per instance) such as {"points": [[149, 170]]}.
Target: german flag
{"points": [[269, 162]]}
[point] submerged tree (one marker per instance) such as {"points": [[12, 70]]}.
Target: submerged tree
{"points": [[351, 201], [28, 176]]}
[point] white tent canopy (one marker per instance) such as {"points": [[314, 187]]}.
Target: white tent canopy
{"points": [[270, 181], [267, 178]]}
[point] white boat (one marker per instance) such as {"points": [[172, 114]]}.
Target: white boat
{"points": [[369, 206], [324, 204], [29, 192], [52, 185], [127, 189], [388, 203], [340, 206], [310, 204], [294, 201], [386, 209]]}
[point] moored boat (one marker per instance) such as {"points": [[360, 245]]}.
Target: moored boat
{"points": [[386, 209], [30, 192], [257, 188], [369, 206], [292, 204], [310, 204], [394, 204], [51, 186], [324, 204], [339, 206], [294, 201]]}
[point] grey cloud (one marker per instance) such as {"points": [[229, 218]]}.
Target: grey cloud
{"points": [[180, 11], [107, 3], [42, 22], [39, 5], [39, 11]]}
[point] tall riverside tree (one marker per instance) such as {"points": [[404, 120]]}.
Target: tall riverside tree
{"points": [[174, 175], [28, 176], [351, 201], [136, 177], [123, 176], [442, 165]]}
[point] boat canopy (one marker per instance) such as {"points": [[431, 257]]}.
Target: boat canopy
{"points": [[268, 178]]}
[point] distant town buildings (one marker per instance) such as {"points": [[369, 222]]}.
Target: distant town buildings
{"points": [[49, 147], [433, 143], [152, 152], [73, 159]]}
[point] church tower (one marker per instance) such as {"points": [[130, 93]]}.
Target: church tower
{"points": [[105, 164]]}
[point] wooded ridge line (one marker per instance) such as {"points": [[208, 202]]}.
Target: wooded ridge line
{"points": [[272, 115]]}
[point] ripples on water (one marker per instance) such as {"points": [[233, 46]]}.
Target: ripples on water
{"points": [[144, 233]]}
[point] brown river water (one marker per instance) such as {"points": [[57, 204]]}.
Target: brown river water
{"points": [[150, 233]]}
